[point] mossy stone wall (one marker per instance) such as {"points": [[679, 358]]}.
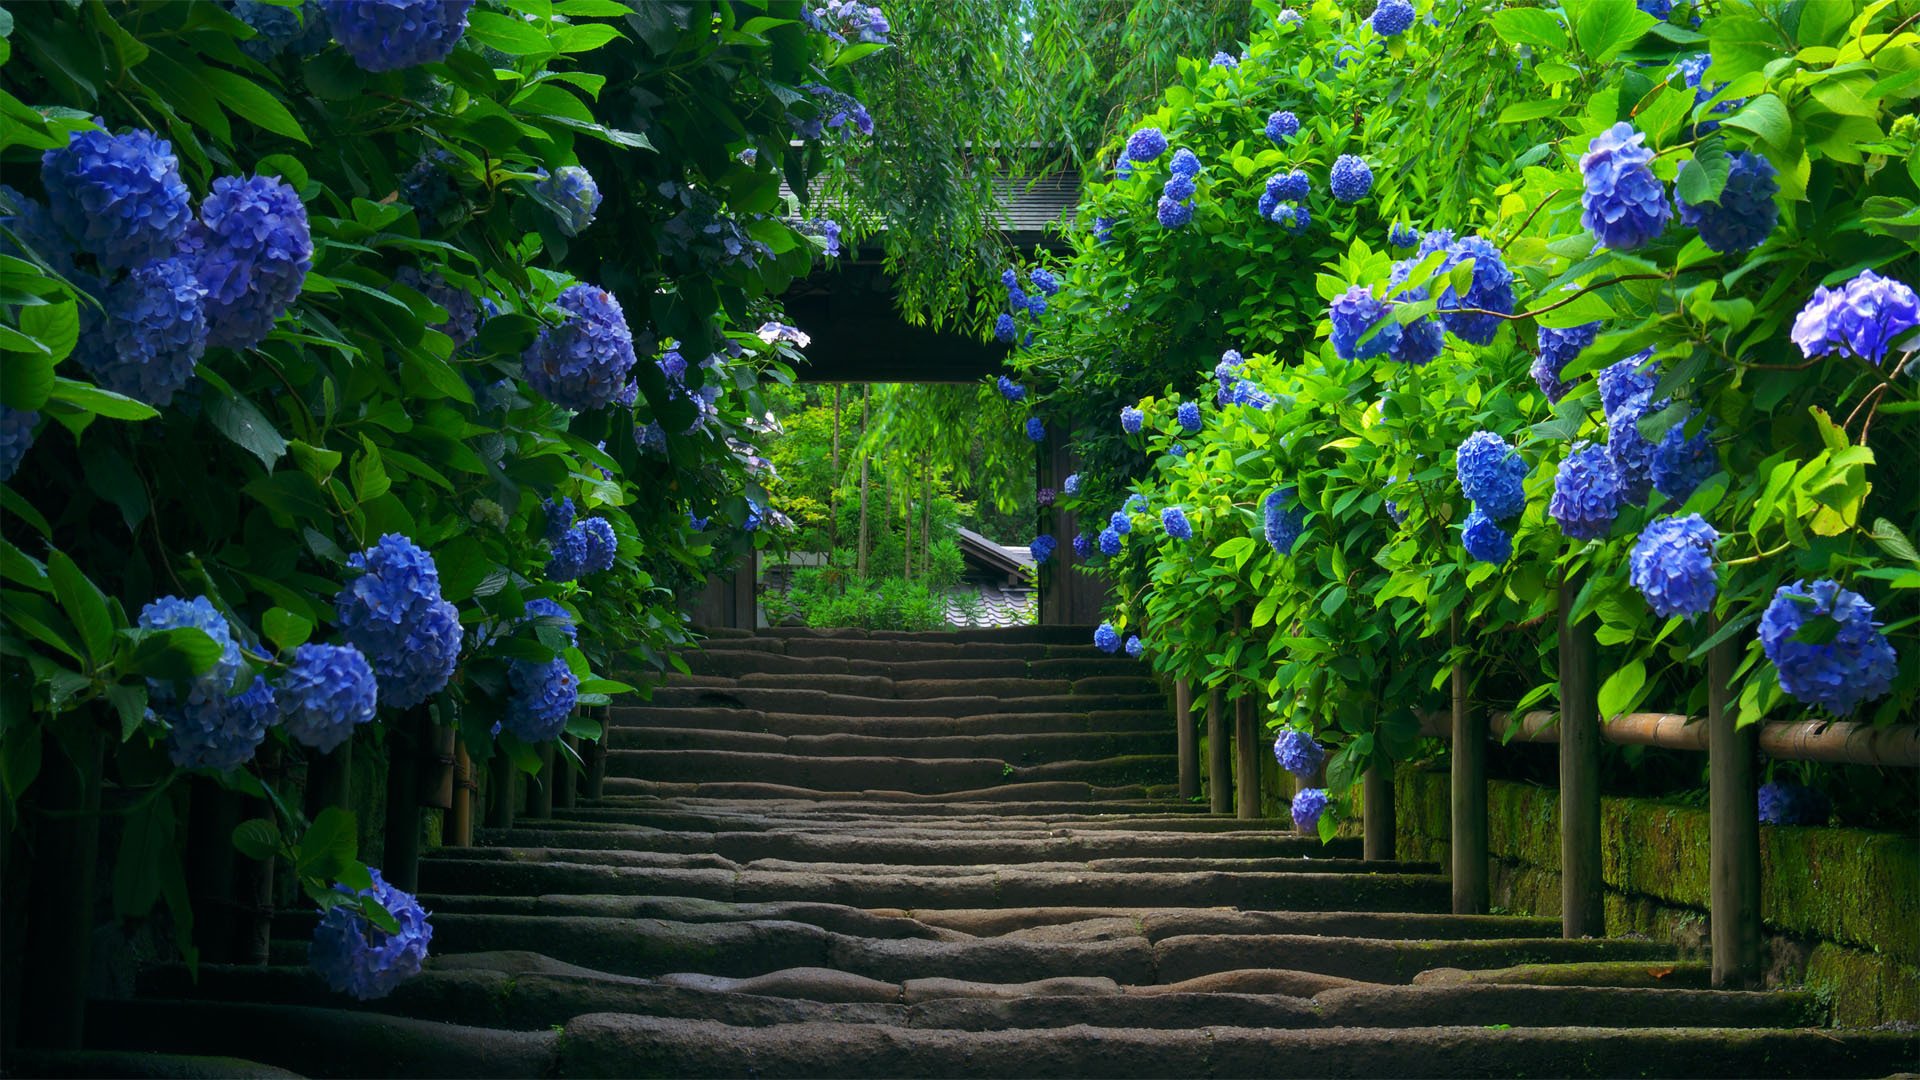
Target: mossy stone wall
{"points": [[1842, 906]]}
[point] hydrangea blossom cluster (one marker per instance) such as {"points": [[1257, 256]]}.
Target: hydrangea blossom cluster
{"points": [[1490, 291], [1624, 204], [1403, 235], [119, 197], [388, 35], [255, 249], [1681, 464], [1071, 485], [1491, 474], [582, 363], [1135, 504], [1225, 60], [1787, 803], [153, 332], [1485, 540], [277, 29], [1285, 190], [1044, 497], [1188, 414], [847, 21], [541, 694], [1392, 508], [1672, 566], [1174, 521], [1283, 520], [1106, 638], [1392, 18], [1355, 312], [325, 693], [1422, 339], [1042, 548], [1693, 69], [16, 438], [1011, 390], [1145, 145], [601, 545], [1176, 196], [1226, 371], [1293, 217], [1247, 392], [1005, 329], [1298, 753], [462, 323], [209, 726], [1623, 380], [571, 194], [1308, 805], [1082, 546], [1109, 542], [1744, 213], [1120, 523], [1103, 229], [1135, 647], [430, 187], [1629, 450], [1131, 419], [1282, 125], [1866, 316], [1586, 493], [1839, 671], [394, 614], [1350, 179], [356, 957], [1558, 347], [1036, 430], [836, 112]]}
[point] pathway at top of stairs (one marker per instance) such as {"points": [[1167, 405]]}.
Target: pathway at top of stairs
{"points": [[960, 854]]}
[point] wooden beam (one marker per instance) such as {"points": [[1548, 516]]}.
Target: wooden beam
{"points": [[1187, 738], [1468, 833], [1582, 911], [1376, 793], [1733, 860], [1219, 762], [1841, 742], [1246, 746]]}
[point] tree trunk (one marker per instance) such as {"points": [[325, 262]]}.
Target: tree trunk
{"points": [[833, 506], [926, 520], [906, 535], [866, 417]]}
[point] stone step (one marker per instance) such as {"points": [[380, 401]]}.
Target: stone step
{"points": [[740, 662], [1003, 887], [887, 687], [909, 651], [1035, 797], [1020, 749], [816, 845], [925, 776], [733, 718], [820, 702]]}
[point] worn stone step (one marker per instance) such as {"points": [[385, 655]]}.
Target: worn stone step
{"points": [[731, 718], [739, 662], [1020, 749], [925, 776], [816, 845], [888, 687], [819, 702], [1379, 960], [1691, 974], [1036, 796], [1008, 887]]}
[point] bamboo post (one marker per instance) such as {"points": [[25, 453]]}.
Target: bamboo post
{"points": [[540, 792], [1246, 746], [253, 878], [1188, 741], [502, 793], [1468, 834], [456, 830], [1219, 764], [53, 1010], [1376, 793], [1733, 827], [438, 783], [567, 782], [1582, 908], [330, 779], [406, 739]]}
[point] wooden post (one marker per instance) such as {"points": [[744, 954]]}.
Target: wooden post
{"points": [[1468, 834], [1246, 746], [438, 783], [1734, 828], [253, 878], [53, 1006], [596, 757], [406, 739], [502, 794], [540, 792], [212, 814], [330, 779], [456, 830], [1376, 793], [567, 782], [1219, 764], [1189, 743], [1582, 908]]}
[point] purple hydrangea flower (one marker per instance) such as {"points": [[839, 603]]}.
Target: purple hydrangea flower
{"points": [[1672, 566], [541, 696], [1625, 205], [1350, 179], [1134, 646], [1682, 464], [387, 35], [1109, 542], [1172, 213], [1071, 485], [153, 333], [1837, 670], [1866, 316], [394, 614], [571, 194], [1308, 805], [1298, 753], [1392, 18], [1786, 803], [326, 692], [1484, 540], [1282, 125], [1036, 430], [1744, 213], [358, 958], [1558, 347], [120, 197], [1355, 312], [1491, 474], [1107, 638], [1491, 290], [1586, 493], [1146, 145], [1131, 419], [601, 545], [1283, 520], [1174, 521], [1189, 416], [582, 363], [650, 437], [16, 438], [462, 323], [1042, 547], [1403, 235], [1083, 546], [255, 249], [1044, 497], [559, 518]]}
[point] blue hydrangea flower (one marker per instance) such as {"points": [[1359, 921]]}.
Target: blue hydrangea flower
{"points": [[1422, 339], [153, 333], [209, 726], [571, 194], [1786, 803], [1172, 214], [1229, 367], [1178, 450], [16, 438], [1178, 187], [1103, 229], [1189, 416], [1672, 566], [1624, 204], [543, 608], [1011, 390], [120, 197], [1298, 753], [1146, 145], [1398, 515], [568, 561], [601, 545], [1392, 18], [541, 696], [1693, 69], [255, 249], [1355, 312], [430, 188], [1558, 347], [1282, 125], [1586, 493], [462, 323], [301, 31], [1293, 217], [1485, 540], [1185, 163], [1350, 179], [1283, 520], [1135, 504], [1119, 522], [1659, 9], [650, 437], [1131, 419], [1854, 665], [1491, 474], [1403, 235], [1083, 546], [1134, 646], [1623, 380], [1042, 547], [1247, 392], [1308, 805], [1866, 316], [1036, 430], [582, 363], [1629, 450], [1109, 542], [387, 35], [1107, 638], [559, 518], [1004, 329], [1043, 280], [394, 614], [1174, 521], [325, 693], [1491, 290], [1225, 60], [1682, 464], [1292, 186], [1744, 214], [1071, 485], [356, 957]]}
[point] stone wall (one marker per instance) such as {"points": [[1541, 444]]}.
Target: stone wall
{"points": [[1841, 907]]}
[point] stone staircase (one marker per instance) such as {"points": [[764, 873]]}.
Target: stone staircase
{"points": [[960, 855]]}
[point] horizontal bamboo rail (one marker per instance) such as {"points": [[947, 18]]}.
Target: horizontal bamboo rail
{"points": [[1839, 742]]}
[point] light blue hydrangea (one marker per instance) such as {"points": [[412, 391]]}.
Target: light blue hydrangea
{"points": [[1866, 316], [1174, 521], [1586, 493], [1298, 753], [255, 249], [1837, 671], [1106, 638], [571, 194], [1672, 566], [119, 197], [1188, 414], [1119, 522], [1624, 204], [355, 957], [1491, 290], [1485, 540], [1744, 214], [387, 35], [1131, 419], [1225, 60], [1403, 235], [1391, 18], [1293, 217], [326, 692], [582, 363], [1071, 485], [1308, 805], [1134, 646], [1491, 473], [1282, 125], [1350, 179], [394, 614]]}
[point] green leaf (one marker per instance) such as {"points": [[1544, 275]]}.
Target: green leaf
{"points": [[26, 378], [130, 701], [1622, 689], [181, 653], [242, 421], [328, 845], [56, 325], [284, 628], [507, 34], [1522, 111], [89, 398], [1604, 28], [1894, 542], [83, 604], [249, 101], [1702, 179], [1765, 116], [258, 839], [1541, 29]]}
